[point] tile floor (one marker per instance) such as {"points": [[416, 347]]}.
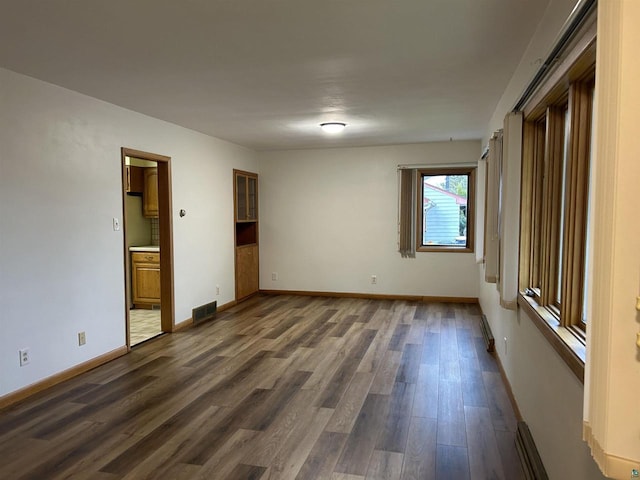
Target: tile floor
{"points": [[143, 325]]}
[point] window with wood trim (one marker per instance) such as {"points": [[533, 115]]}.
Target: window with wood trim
{"points": [[445, 210], [555, 203]]}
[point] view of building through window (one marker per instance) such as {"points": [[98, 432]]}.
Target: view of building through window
{"points": [[444, 212]]}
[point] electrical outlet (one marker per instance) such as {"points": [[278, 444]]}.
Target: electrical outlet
{"points": [[274, 276], [25, 358], [82, 338], [374, 279], [116, 224], [217, 289]]}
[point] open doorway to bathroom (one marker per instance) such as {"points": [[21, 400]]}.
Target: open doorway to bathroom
{"points": [[148, 246]]}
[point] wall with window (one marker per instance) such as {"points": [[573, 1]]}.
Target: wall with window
{"points": [[328, 222], [548, 392], [61, 263]]}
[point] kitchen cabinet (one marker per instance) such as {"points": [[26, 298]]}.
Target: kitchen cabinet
{"points": [[245, 189], [135, 179], [145, 279], [150, 194]]}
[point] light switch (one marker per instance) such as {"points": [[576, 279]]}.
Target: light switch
{"points": [[116, 224]]}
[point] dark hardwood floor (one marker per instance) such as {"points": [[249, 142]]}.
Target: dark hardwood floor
{"points": [[281, 387]]}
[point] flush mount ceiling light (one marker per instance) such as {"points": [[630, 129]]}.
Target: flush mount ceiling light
{"points": [[333, 127]]}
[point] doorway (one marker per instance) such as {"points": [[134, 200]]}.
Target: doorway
{"points": [[148, 244]]}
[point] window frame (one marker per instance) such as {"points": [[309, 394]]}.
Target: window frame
{"points": [[543, 173], [471, 209]]}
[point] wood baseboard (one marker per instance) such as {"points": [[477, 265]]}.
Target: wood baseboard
{"points": [[188, 323], [373, 296], [48, 382], [503, 374], [507, 385], [227, 306]]}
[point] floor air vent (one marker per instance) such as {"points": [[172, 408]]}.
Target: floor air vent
{"points": [[486, 333], [529, 456], [204, 313]]}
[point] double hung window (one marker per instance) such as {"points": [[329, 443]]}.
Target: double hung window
{"points": [[445, 209]]}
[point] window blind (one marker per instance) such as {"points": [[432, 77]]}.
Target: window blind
{"points": [[408, 184]]}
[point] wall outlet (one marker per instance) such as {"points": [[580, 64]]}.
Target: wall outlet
{"points": [[274, 276], [25, 358], [82, 338], [374, 279], [116, 224], [217, 289]]}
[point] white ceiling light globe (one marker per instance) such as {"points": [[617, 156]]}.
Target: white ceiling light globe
{"points": [[333, 127]]}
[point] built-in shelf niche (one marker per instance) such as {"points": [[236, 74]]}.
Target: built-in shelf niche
{"points": [[246, 233]]}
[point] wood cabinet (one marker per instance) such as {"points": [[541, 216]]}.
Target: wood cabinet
{"points": [[150, 194], [246, 270], [245, 189], [135, 179], [145, 278]]}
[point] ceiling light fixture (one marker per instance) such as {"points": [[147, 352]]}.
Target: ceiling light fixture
{"points": [[333, 127]]}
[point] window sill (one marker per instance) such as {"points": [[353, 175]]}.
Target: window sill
{"points": [[567, 344], [448, 248]]}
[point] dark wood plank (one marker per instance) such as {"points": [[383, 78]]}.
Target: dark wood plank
{"points": [[409, 364], [359, 446], [484, 457], [323, 457], [420, 455], [431, 349], [425, 400], [399, 337], [343, 326], [502, 414], [280, 387], [342, 377], [384, 465], [393, 437], [509, 455], [451, 427], [346, 412], [452, 462], [274, 403], [472, 382], [283, 326], [246, 472]]}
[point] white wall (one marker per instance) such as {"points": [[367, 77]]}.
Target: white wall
{"points": [[61, 263], [548, 394], [328, 221]]}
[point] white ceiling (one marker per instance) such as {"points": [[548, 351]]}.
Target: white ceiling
{"points": [[265, 73]]}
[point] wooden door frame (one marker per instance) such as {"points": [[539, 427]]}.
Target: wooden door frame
{"points": [[167, 300]]}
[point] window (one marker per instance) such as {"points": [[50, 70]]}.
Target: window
{"points": [[445, 209], [555, 209]]}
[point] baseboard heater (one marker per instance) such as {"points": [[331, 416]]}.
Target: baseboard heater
{"points": [[486, 334], [204, 313], [529, 456]]}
